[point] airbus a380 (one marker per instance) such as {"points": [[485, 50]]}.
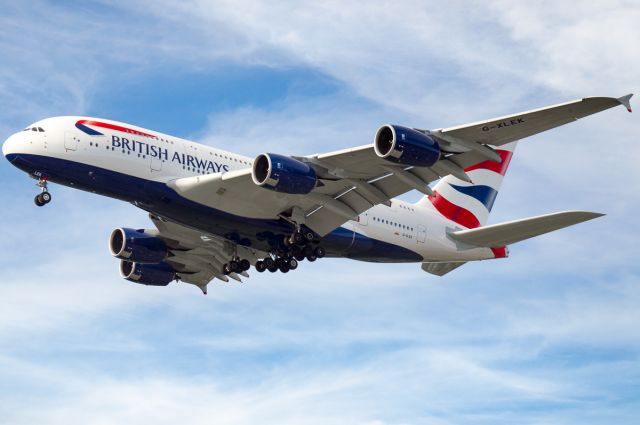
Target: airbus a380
{"points": [[217, 213]]}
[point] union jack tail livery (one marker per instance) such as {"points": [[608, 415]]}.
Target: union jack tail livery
{"points": [[469, 203]]}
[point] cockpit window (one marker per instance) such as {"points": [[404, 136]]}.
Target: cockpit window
{"points": [[40, 129], [34, 129]]}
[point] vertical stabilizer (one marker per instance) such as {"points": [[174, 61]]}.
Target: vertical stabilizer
{"points": [[469, 204]]}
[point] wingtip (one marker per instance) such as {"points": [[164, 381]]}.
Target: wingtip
{"points": [[626, 101], [590, 215]]}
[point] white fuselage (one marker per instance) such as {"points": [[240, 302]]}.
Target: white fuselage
{"points": [[155, 157]]}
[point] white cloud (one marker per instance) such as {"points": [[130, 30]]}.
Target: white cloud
{"points": [[367, 343]]}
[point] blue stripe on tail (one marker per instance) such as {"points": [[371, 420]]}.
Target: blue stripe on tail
{"points": [[485, 194]]}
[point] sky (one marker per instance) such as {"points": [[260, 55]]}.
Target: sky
{"points": [[548, 336]]}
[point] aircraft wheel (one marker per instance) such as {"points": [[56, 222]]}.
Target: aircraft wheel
{"points": [[296, 251], [320, 252], [308, 250], [245, 265], [268, 262], [38, 201], [300, 257], [292, 263], [312, 258], [260, 266], [234, 266], [284, 267], [297, 238], [273, 268], [45, 197]]}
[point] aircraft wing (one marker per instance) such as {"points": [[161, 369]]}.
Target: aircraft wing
{"points": [[198, 258], [355, 179], [509, 128]]}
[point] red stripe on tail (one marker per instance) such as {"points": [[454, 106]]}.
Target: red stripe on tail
{"points": [[500, 168], [454, 212]]}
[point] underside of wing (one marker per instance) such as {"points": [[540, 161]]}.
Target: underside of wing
{"points": [[199, 258]]}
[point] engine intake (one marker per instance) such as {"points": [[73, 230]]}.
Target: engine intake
{"points": [[136, 246], [283, 174], [160, 274], [406, 146]]}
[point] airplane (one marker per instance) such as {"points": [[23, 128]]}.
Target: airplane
{"points": [[217, 213]]}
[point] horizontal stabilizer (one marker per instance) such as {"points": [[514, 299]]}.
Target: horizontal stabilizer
{"points": [[518, 230], [441, 268]]}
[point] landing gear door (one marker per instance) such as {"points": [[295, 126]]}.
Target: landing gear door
{"points": [[70, 141]]}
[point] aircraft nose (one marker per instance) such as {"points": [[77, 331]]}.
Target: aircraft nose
{"points": [[10, 147]]}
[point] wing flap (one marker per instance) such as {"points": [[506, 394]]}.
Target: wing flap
{"points": [[518, 230]]}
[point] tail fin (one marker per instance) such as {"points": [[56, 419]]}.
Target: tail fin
{"points": [[469, 204]]}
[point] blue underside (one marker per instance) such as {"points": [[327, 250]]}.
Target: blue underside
{"points": [[161, 200]]}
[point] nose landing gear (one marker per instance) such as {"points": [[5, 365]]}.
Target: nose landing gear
{"points": [[44, 197]]}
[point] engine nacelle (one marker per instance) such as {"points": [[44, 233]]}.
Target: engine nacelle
{"points": [[406, 146], [160, 274], [283, 174], [136, 246]]}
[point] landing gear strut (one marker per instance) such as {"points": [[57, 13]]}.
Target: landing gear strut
{"points": [[44, 197]]}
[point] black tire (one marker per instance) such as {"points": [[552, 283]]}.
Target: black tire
{"points": [[260, 267], [284, 268], [273, 268], [292, 263], [234, 266], [298, 238], [309, 235], [296, 251], [300, 257], [320, 252], [307, 251], [312, 258], [38, 201], [45, 197], [245, 265], [268, 262]]}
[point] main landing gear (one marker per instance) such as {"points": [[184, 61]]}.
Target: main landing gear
{"points": [[297, 247], [44, 197], [236, 265]]}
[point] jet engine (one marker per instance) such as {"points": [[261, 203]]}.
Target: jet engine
{"points": [[406, 146], [159, 274], [283, 174], [136, 246]]}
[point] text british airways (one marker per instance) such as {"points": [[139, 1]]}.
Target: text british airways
{"points": [[164, 154]]}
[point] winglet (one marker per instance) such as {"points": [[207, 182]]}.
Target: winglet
{"points": [[624, 100]]}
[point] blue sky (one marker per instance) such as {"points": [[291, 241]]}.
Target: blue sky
{"points": [[548, 336]]}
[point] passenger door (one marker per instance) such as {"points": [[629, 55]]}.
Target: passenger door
{"points": [[70, 141], [421, 234]]}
